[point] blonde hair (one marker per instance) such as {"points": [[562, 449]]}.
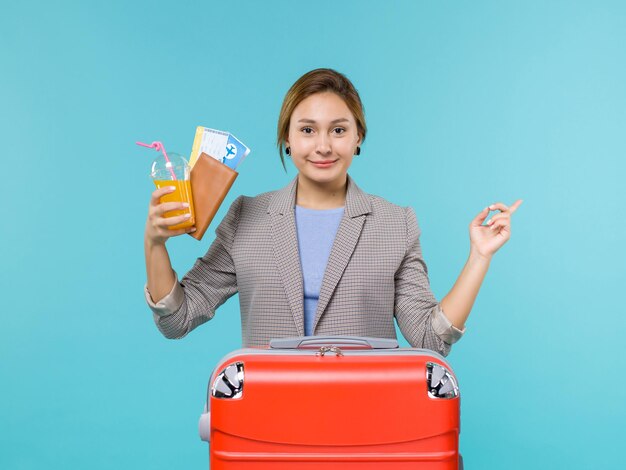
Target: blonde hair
{"points": [[318, 81]]}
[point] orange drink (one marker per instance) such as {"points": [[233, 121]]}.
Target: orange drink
{"points": [[182, 194]]}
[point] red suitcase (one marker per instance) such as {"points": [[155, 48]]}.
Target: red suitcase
{"points": [[332, 403]]}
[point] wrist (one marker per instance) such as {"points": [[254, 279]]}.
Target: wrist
{"points": [[151, 244], [478, 257]]}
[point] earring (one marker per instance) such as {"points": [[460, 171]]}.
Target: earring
{"points": [[358, 150], [288, 150]]}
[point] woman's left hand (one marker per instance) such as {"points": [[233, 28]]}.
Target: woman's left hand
{"points": [[486, 239]]}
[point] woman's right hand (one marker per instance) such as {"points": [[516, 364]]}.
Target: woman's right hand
{"points": [[157, 226]]}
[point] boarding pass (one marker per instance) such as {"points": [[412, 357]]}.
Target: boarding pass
{"points": [[222, 146]]}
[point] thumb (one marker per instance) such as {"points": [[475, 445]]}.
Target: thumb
{"points": [[480, 218]]}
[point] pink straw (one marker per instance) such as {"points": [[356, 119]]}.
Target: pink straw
{"points": [[158, 146]]}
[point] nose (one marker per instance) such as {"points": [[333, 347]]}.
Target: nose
{"points": [[323, 145]]}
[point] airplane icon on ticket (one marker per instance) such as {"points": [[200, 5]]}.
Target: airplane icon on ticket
{"points": [[231, 151]]}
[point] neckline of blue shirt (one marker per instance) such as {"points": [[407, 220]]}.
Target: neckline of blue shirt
{"points": [[319, 211]]}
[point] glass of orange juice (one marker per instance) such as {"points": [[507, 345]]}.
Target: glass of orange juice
{"points": [[174, 172]]}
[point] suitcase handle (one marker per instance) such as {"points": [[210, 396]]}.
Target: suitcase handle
{"points": [[343, 342]]}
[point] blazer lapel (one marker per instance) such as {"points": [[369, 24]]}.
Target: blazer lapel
{"points": [[285, 241], [357, 206]]}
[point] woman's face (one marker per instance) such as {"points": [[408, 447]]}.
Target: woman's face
{"points": [[323, 138]]}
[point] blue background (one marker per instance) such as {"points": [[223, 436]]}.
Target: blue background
{"points": [[468, 103]]}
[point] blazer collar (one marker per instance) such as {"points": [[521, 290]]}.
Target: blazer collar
{"points": [[285, 241], [284, 200]]}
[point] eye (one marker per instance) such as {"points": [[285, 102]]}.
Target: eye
{"points": [[339, 130], [307, 130]]}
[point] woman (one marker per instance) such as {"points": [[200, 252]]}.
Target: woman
{"points": [[319, 256]]}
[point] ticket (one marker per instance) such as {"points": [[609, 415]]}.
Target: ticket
{"points": [[222, 146]]}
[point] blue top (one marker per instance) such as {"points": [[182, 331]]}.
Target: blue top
{"points": [[316, 234]]}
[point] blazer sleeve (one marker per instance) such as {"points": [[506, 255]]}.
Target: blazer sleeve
{"points": [[419, 315], [210, 282]]}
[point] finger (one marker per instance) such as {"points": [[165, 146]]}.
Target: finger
{"points": [[180, 231], [515, 205], [501, 215], [170, 206], [501, 224], [499, 206], [157, 194], [480, 218], [169, 221]]}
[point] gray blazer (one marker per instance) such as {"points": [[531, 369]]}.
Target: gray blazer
{"points": [[375, 272]]}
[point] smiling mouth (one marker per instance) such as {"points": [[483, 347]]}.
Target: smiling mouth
{"points": [[324, 162]]}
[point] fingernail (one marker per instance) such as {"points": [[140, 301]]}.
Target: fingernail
{"points": [[185, 204], [490, 222], [492, 206], [187, 216], [193, 229], [172, 188]]}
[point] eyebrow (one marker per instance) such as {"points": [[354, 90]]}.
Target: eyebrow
{"points": [[311, 121]]}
